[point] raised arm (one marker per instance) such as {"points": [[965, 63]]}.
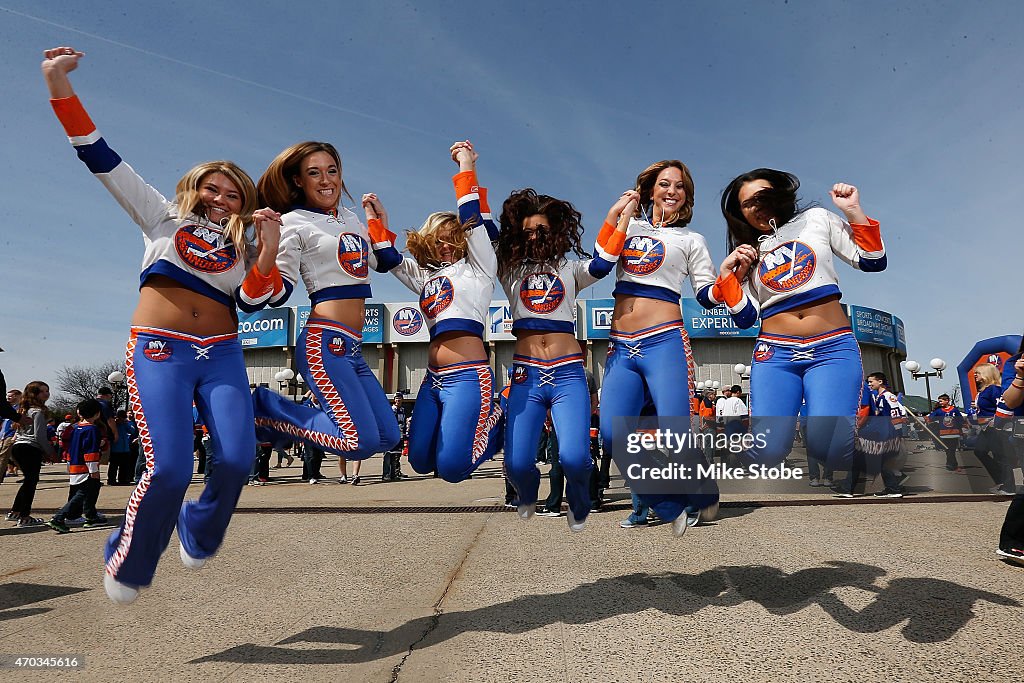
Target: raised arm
{"points": [[383, 256], [609, 241], [263, 283], [743, 308], [858, 240], [480, 253], [143, 203]]}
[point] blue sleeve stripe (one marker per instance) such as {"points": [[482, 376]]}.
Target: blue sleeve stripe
{"points": [[872, 265], [98, 156], [599, 267], [285, 293], [387, 258]]}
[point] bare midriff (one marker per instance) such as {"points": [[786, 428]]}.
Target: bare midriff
{"points": [[166, 304], [634, 313], [545, 345], [817, 317], [348, 312], [455, 347]]}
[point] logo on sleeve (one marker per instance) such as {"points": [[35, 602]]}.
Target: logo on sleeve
{"points": [[787, 266], [763, 351], [437, 295], [408, 321], [157, 350], [336, 346], [542, 292], [642, 255], [518, 375], [353, 255], [201, 248]]}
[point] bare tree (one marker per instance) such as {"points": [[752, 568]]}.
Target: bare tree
{"points": [[79, 383]]}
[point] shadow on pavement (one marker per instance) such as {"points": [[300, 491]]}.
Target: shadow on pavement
{"points": [[933, 610], [15, 595]]}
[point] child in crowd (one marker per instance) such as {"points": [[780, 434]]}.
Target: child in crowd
{"points": [[84, 468]]}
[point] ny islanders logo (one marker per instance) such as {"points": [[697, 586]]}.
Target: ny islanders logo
{"points": [[200, 249], [642, 255], [353, 254], [787, 266], [542, 292], [157, 350], [763, 351], [518, 375], [407, 322], [437, 295], [336, 346]]}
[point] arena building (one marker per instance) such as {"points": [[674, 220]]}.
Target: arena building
{"points": [[395, 343]]}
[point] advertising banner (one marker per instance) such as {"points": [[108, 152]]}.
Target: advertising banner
{"points": [[265, 329], [404, 323], [703, 323], [871, 326], [499, 322]]}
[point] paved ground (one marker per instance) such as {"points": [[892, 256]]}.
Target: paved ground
{"points": [[836, 592]]}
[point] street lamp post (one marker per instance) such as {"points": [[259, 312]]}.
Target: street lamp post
{"points": [[913, 367], [116, 379]]}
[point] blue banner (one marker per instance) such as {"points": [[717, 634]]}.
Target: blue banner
{"points": [[871, 326], [702, 323], [599, 318], [265, 329], [499, 322], [901, 334], [373, 329]]}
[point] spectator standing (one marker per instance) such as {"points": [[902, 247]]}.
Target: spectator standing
{"points": [[122, 466], [950, 421], [393, 458], [83, 469], [1009, 419], [989, 447], [8, 429], [30, 447], [107, 422]]}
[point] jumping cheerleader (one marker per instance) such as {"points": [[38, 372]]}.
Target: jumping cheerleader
{"points": [[537, 233], [649, 358], [333, 252], [781, 269], [454, 426], [184, 345]]}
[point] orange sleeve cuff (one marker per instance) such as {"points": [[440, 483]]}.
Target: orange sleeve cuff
{"points": [[378, 233], [72, 116], [611, 240], [727, 289], [868, 237], [92, 457], [256, 284], [484, 206], [465, 183]]}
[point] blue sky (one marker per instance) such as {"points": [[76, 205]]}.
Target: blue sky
{"points": [[918, 104]]}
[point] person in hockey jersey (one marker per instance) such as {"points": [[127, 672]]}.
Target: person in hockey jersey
{"points": [[781, 270], [206, 250]]}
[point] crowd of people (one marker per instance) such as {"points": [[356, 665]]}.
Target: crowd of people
{"points": [[225, 242]]}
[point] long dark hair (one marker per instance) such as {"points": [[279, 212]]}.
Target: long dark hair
{"points": [[563, 235], [778, 201]]}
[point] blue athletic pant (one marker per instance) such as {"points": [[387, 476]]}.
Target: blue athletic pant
{"points": [[166, 372], [652, 365], [826, 372], [354, 420], [561, 386], [454, 427]]}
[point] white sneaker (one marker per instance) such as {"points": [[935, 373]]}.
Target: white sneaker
{"points": [[188, 560], [121, 593], [312, 481], [574, 526], [526, 511], [342, 480], [815, 482], [679, 525]]}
